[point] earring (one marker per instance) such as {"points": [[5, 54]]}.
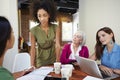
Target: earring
{"points": [[111, 42]]}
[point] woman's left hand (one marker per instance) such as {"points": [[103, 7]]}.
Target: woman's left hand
{"points": [[117, 71]]}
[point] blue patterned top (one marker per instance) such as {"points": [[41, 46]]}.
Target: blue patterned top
{"points": [[111, 59]]}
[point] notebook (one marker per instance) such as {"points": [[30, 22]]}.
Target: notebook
{"points": [[90, 67]]}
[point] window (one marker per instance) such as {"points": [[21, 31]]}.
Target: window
{"points": [[67, 31]]}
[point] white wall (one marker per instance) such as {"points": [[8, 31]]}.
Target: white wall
{"points": [[8, 8], [95, 14], [75, 21]]}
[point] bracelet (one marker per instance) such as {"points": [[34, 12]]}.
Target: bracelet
{"points": [[99, 64]]}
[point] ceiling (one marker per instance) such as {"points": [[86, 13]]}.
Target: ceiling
{"points": [[66, 6]]}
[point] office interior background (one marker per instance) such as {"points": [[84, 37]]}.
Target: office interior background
{"points": [[93, 14]]}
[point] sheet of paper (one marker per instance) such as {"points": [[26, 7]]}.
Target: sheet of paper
{"points": [[42, 71], [91, 78], [38, 74], [32, 77]]}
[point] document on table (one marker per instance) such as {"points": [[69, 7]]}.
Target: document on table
{"points": [[91, 78], [38, 74]]}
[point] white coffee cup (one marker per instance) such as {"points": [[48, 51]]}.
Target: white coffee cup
{"points": [[65, 73], [70, 67], [57, 67]]}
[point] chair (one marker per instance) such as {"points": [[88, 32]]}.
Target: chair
{"points": [[21, 62]]}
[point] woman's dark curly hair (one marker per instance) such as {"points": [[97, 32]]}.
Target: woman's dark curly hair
{"points": [[47, 5], [5, 33], [99, 47]]}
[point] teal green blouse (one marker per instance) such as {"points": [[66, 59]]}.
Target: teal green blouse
{"points": [[5, 74]]}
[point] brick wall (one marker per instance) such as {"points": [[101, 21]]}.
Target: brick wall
{"points": [[25, 24]]}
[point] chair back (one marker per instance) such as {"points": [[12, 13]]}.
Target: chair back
{"points": [[21, 62]]}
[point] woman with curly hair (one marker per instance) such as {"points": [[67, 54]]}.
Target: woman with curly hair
{"points": [[45, 34]]}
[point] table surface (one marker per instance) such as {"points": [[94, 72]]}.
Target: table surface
{"points": [[77, 74]]}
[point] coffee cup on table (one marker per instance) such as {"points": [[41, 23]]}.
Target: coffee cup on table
{"points": [[57, 67], [65, 73], [70, 67]]}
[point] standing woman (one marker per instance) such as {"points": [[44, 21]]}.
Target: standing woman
{"points": [[45, 34], [107, 51]]}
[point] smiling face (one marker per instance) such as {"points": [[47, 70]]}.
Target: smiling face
{"points": [[104, 37], [43, 17]]}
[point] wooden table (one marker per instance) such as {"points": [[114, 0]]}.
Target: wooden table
{"points": [[77, 74]]}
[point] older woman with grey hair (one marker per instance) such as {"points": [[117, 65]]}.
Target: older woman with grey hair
{"points": [[76, 48]]}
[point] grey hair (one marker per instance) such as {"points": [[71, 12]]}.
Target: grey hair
{"points": [[82, 34]]}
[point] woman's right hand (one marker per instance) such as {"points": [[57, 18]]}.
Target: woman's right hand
{"points": [[26, 71], [117, 71], [106, 70], [75, 64]]}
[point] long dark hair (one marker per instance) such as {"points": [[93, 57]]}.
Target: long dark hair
{"points": [[5, 33], [47, 5], [99, 47]]}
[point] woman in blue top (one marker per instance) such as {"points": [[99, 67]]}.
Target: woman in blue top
{"points": [[108, 51]]}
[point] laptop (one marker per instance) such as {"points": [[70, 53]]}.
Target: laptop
{"points": [[90, 67]]}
